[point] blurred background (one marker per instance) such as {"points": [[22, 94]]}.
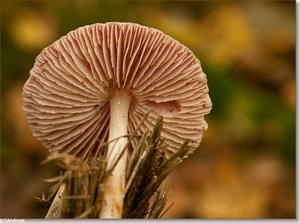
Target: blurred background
{"points": [[246, 165]]}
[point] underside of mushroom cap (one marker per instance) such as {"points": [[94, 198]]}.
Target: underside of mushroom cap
{"points": [[66, 98]]}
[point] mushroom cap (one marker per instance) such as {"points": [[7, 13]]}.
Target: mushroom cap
{"points": [[66, 98]]}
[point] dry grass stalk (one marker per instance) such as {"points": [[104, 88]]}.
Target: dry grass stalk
{"points": [[79, 190]]}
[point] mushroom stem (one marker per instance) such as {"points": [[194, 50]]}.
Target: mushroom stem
{"points": [[114, 191]]}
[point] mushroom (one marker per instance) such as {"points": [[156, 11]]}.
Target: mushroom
{"points": [[97, 83]]}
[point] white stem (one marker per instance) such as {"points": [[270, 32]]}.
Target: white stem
{"points": [[114, 191]]}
